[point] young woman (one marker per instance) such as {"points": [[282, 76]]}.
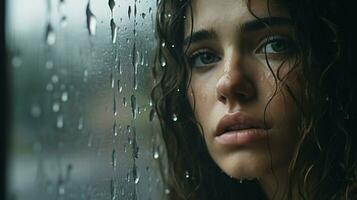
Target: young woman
{"points": [[255, 99]]}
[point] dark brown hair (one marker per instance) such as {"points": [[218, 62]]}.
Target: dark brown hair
{"points": [[327, 147]]}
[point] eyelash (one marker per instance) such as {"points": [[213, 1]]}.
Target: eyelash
{"points": [[263, 48], [289, 45], [198, 54]]}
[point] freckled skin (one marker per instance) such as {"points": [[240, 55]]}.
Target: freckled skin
{"points": [[242, 82]]}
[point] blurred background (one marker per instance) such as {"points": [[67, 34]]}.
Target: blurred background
{"points": [[82, 123]]}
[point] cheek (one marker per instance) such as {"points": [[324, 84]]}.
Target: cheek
{"points": [[201, 95]]}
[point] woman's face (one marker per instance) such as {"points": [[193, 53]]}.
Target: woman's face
{"points": [[248, 133]]}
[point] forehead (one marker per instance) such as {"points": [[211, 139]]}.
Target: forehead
{"points": [[217, 14]]}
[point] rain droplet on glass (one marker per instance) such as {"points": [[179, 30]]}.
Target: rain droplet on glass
{"points": [[49, 64], [55, 78], [152, 114], [35, 110], [113, 190], [115, 131], [156, 153], [55, 107], [129, 12], [59, 123], [50, 35], [114, 30], [64, 96], [111, 4], [16, 61], [120, 88], [137, 179], [63, 21], [125, 103], [143, 15], [133, 106], [49, 87], [114, 158], [80, 123], [91, 21]]}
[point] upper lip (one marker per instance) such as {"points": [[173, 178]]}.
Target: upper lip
{"points": [[238, 121]]}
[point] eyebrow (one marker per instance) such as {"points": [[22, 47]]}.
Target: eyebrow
{"points": [[199, 36], [250, 26], [262, 23]]}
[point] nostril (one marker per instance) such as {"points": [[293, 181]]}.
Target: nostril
{"points": [[222, 99]]}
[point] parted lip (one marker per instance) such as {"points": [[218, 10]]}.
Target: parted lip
{"points": [[238, 121]]}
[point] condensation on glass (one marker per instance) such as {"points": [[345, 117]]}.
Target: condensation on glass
{"points": [[83, 123]]}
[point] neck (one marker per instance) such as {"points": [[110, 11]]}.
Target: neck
{"points": [[276, 185]]}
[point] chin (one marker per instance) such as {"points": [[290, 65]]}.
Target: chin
{"points": [[244, 164]]}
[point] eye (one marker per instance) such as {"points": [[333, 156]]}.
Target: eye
{"points": [[276, 45], [203, 58]]}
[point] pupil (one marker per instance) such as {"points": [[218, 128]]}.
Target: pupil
{"points": [[278, 46], [206, 58]]}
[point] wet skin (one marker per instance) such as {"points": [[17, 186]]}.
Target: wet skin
{"points": [[231, 76]]}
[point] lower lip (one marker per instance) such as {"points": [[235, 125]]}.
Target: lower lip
{"points": [[241, 137]]}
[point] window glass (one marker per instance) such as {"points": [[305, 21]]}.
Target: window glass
{"points": [[83, 125]]}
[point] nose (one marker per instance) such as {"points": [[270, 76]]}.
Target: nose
{"points": [[235, 85]]}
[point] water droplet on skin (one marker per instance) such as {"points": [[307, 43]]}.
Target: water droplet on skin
{"points": [[35, 110], [64, 97], [187, 174], [114, 159], [91, 21], [59, 121], [163, 62], [50, 35], [56, 107], [174, 117], [114, 30]]}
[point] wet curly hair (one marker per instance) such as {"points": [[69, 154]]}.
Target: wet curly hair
{"points": [[327, 147]]}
